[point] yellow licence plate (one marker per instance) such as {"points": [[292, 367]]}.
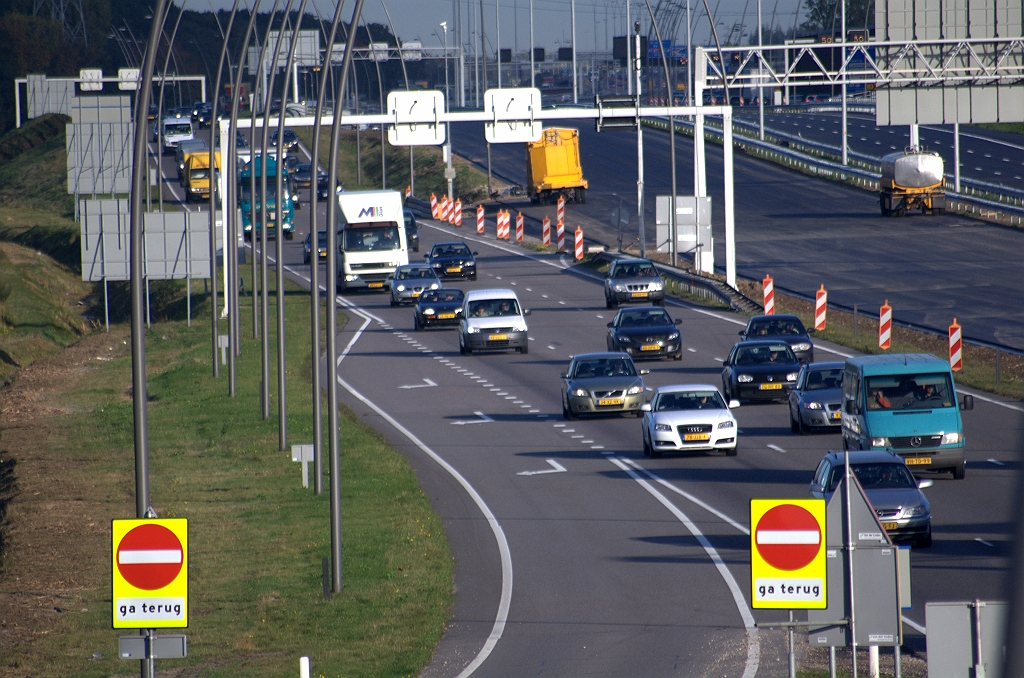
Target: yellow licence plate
{"points": [[770, 387], [650, 347], [918, 461], [445, 316], [610, 401], [638, 294], [696, 436], [376, 284], [890, 526], [836, 415], [456, 269], [416, 294], [498, 337]]}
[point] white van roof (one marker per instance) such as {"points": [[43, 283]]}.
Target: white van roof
{"points": [[497, 293], [362, 206]]}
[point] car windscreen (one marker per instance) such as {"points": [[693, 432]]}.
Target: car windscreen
{"points": [[418, 273], [450, 251], [636, 318], [767, 354], [909, 391], [822, 379], [445, 296], [644, 270], [603, 367], [776, 327], [246, 191], [177, 129], [494, 308], [877, 476], [371, 237], [688, 400]]}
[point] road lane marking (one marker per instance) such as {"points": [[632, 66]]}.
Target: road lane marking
{"points": [[753, 642], [484, 419], [776, 448], [557, 468], [692, 350], [428, 383], [982, 541], [914, 625], [996, 462]]}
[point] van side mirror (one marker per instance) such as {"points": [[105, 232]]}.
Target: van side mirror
{"points": [[733, 404], [527, 311], [476, 254], [925, 483], [742, 333], [816, 487], [646, 407], [563, 375], [968, 403], [610, 324], [426, 256], [298, 205], [677, 321]]}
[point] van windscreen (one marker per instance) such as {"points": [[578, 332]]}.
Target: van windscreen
{"points": [[371, 237], [909, 391]]}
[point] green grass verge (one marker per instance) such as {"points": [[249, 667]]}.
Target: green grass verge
{"points": [[256, 536], [1011, 127]]}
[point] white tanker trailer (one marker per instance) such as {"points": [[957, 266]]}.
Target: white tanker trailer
{"points": [[910, 180]]}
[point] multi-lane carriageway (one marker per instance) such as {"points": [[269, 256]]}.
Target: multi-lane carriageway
{"points": [[620, 565]]}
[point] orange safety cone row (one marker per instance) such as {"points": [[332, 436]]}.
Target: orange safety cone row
{"points": [[956, 356], [769, 295], [885, 326], [820, 307]]}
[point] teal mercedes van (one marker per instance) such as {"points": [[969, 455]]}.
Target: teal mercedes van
{"points": [[906, 403]]}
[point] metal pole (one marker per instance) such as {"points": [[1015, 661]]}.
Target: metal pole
{"points": [[956, 157], [728, 207], [332, 329], [792, 649], [449, 173], [575, 83], [689, 56], [483, 56], [629, 80], [160, 144], [639, 143], [842, 43], [497, 18], [850, 546], [671, 140], [533, 66], [760, 73], [832, 662]]}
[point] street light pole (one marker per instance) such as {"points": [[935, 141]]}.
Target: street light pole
{"points": [[639, 143], [449, 173], [575, 86]]}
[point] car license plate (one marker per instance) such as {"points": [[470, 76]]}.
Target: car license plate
{"points": [[445, 316], [498, 337], [637, 295], [376, 284], [696, 436], [610, 401], [890, 526], [650, 347], [836, 415], [416, 294], [770, 387], [455, 269], [918, 461]]}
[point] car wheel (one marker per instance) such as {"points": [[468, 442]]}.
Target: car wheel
{"points": [[572, 416], [659, 302], [473, 277], [801, 427], [565, 411], [960, 472], [731, 452], [679, 355], [525, 349], [925, 541], [393, 302], [462, 348], [613, 303], [416, 323], [793, 426], [647, 446], [655, 453]]}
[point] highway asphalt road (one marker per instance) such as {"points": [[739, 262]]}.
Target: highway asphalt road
{"points": [[618, 565], [803, 231]]}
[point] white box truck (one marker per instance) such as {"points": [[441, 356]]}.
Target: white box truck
{"points": [[371, 239]]}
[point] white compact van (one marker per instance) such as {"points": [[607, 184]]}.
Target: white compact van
{"points": [[493, 320]]}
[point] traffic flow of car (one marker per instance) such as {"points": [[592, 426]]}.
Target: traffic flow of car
{"points": [[816, 400], [788, 328], [759, 370], [689, 418], [602, 383], [410, 281], [452, 260], [633, 281], [645, 332], [438, 308], [493, 320]]}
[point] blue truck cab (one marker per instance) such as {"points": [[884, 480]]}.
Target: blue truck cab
{"points": [[906, 403], [245, 203]]}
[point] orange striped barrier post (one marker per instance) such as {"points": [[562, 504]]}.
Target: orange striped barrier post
{"points": [[445, 207], [408, 191], [506, 225], [560, 228], [885, 326], [560, 216], [501, 224], [519, 227], [820, 307], [434, 211], [956, 356], [458, 212], [579, 243], [480, 220], [769, 295], [546, 231]]}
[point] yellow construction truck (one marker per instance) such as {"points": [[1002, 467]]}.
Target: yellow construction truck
{"points": [[553, 167], [197, 175], [910, 180]]}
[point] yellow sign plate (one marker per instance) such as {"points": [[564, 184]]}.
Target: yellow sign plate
{"points": [[150, 573], [787, 554]]}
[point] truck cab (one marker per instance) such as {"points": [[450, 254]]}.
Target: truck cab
{"points": [[197, 175], [372, 241], [252, 209]]}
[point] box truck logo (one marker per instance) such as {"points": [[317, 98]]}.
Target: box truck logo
{"points": [[371, 212]]}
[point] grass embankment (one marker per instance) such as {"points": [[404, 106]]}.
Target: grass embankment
{"points": [[256, 536], [470, 184]]}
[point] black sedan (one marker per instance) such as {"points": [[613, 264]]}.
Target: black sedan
{"points": [[452, 260], [817, 400], [759, 370], [645, 332], [290, 140], [438, 308], [323, 187], [788, 328], [302, 175]]}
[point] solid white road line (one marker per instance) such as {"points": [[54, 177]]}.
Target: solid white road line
{"points": [[776, 448], [914, 625]]}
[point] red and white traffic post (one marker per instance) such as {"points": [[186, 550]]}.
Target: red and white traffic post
{"points": [[446, 209], [561, 235], [480, 220], [457, 218], [408, 191], [820, 307], [769, 295], [545, 230], [435, 213], [956, 356], [519, 227], [560, 216], [885, 326], [506, 222], [579, 243]]}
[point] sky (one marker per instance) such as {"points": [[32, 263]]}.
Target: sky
{"points": [[596, 20]]}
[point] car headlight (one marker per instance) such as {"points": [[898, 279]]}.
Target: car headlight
{"points": [[812, 406], [400, 288], [879, 442], [662, 427], [791, 376], [519, 328], [623, 338], [349, 277], [436, 264], [619, 287], [428, 311], [469, 263], [803, 346], [579, 393], [633, 390], [952, 438], [434, 286], [915, 512], [473, 330], [658, 286], [726, 424], [673, 336], [744, 378]]}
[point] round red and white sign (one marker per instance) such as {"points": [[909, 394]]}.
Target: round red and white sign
{"points": [[149, 557], [788, 537]]}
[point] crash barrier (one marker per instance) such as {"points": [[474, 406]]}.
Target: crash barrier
{"points": [[579, 243], [820, 308], [885, 326], [956, 356], [769, 295]]}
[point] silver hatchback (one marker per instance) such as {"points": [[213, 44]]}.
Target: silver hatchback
{"points": [[408, 282]]}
